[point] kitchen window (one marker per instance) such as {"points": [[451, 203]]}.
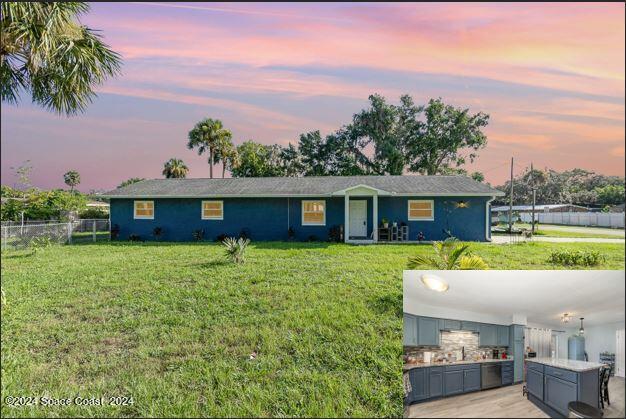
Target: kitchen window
{"points": [[212, 210], [421, 210], [144, 210], [313, 213]]}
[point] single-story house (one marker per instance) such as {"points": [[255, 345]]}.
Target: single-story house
{"points": [[303, 208]]}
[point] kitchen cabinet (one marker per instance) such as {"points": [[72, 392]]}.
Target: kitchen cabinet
{"points": [[435, 382], [502, 335], [471, 379], [452, 382], [419, 383], [470, 326], [507, 373], [516, 348], [410, 330], [558, 393], [452, 325], [534, 382], [427, 331], [488, 335]]}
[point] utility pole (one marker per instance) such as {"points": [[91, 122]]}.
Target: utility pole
{"points": [[511, 201], [532, 185]]}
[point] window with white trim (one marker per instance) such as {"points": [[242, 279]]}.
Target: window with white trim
{"points": [[421, 210], [144, 210], [313, 213], [212, 210]]}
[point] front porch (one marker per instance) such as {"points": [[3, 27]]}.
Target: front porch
{"points": [[361, 221]]}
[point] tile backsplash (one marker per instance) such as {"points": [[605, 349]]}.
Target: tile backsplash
{"points": [[453, 342]]}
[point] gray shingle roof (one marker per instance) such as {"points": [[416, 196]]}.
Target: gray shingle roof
{"points": [[302, 186]]}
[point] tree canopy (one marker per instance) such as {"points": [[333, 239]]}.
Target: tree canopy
{"points": [[130, 181], [175, 169], [71, 179], [576, 186], [48, 53], [209, 136]]}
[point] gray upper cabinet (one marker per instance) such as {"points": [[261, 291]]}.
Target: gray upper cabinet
{"points": [[488, 335], [452, 324], [427, 331], [503, 336], [410, 330], [470, 326]]}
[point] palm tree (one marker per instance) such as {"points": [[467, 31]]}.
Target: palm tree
{"points": [[175, 169], [207, 136], [71, 178], [449, 254], [46, 52], [225, 152]]}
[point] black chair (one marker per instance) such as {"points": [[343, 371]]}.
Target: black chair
{"points": [[605, 374]]}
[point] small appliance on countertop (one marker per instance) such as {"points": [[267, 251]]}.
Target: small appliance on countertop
{"points": [[495, 354], [428, 357]]}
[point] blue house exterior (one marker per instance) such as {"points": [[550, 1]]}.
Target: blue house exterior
{"points": [[301, 209]]}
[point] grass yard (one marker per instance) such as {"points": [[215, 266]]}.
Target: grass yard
{"points": [[301, 329], [589, 232]]}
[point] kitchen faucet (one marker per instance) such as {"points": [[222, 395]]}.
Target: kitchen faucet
{"points": [[463, 353]]}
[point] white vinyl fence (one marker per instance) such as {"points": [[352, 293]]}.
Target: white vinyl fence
{"points": [[587, 219], [32, 235]]}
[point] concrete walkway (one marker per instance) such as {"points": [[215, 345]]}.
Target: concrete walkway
{"points": [[507, 240]]}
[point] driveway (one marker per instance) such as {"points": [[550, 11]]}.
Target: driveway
{"points": [[588, 230], [507, 239]]}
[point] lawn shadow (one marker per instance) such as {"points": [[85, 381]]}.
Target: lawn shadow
{"points": [[290, 245], [19, 255], [210, 264]]}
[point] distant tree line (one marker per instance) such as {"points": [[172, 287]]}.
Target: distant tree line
{"points": [[383, 139], [577, 186]]}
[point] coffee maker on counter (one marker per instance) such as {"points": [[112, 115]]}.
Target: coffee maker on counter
{"points": [[495, 354]]}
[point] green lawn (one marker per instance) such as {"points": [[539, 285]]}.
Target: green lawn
{"points": [[590, 233], [174, 326]]}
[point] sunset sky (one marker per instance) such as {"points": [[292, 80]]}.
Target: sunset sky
{"points": [[550, 75]]}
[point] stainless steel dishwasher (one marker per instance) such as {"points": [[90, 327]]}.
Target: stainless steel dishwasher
{"points": [[490, 375]]}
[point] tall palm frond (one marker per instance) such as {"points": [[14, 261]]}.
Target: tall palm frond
{"points": [[45, 51]]}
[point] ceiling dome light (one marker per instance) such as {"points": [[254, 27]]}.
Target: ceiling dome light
{"points": [[434, 283]]}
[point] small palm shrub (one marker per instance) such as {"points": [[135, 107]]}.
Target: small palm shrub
{"points": [[449, 254], [235, 249], [198, 235], [575, 258]]}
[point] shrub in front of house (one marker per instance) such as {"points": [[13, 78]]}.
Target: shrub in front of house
{"points": [[235, 249], [198, 235], [576, 258]]}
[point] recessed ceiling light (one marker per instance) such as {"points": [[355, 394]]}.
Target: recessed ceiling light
{"points": [[434, 283]]}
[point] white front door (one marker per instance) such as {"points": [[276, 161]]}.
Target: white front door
{"points": [[358, 218]]}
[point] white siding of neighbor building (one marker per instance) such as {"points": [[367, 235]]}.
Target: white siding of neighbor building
{"points": [[588, 219]]}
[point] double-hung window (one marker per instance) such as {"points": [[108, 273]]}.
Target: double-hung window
{"points": [[212, 210], [313, 213], [421, 210], [144, 210]]}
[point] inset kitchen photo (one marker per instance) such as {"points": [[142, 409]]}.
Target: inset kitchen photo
{"points": [[523, 344]]}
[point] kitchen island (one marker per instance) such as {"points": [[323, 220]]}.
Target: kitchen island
{"points": [[553, 383]]}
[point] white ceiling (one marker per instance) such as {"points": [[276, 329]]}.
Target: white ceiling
{"points": [[542, 296]]}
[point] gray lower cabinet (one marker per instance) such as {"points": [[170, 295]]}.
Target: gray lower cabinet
{"points": [[435, 382], [503, 335], [427, 331], [471, 379], [410, 330], [419, 384], [488, 335], [558, 393], [452, 382], [507, 373], [534, 382]]}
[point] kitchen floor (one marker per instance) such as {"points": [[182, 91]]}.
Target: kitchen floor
{"points": [[504, 402]]}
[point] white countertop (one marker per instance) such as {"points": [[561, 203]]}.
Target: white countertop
{"points": [[568, 364], [407, 367]]}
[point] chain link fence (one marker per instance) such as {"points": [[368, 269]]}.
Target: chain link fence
{"points": [[30, 235]]}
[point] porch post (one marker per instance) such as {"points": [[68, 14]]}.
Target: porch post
{"points": [[346, 216], [375, 216]]}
